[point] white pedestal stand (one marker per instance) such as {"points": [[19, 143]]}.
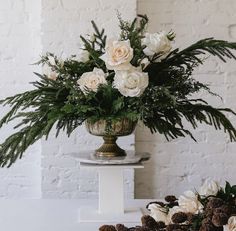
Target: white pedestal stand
{"points": [[111, 190], [111, 196]]}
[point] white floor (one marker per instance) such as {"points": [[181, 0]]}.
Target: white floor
{"points": [[49, 215]]}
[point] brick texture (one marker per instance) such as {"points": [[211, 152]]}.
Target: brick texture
{"points": [[19, 47], [63, 22], [28, 28], [182, 164]]}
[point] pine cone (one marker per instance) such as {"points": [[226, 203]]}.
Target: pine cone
{"points": [[209, 212], [142, 228], [173, 204], [107, 228], [214, 203], [190, 217], [179, 217], [121, 227], [220, 219], [149, 222], [223, 209], [170, 198], [160, 225], [208, 226], [173, 227]]}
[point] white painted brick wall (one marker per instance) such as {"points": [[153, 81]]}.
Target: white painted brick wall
{"points": [[19, 47], [182, 163], [63, 22], [175, 166], [23, 38]]}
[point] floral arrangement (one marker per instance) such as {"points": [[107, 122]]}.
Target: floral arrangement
{"points": [[213, 208], [137, 76]]}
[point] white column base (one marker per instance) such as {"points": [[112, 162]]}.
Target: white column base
{"points": [[88, 214], [111, 196]]}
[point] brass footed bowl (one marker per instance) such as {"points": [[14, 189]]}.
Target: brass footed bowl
{"points": [[110, 131]]}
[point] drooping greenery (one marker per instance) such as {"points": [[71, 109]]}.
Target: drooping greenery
{"points": [[162, 107]]}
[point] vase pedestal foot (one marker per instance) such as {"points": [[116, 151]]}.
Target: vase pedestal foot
{"points": [[110, 148]]}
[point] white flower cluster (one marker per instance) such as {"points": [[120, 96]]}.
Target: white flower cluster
{"points": [[188, 203], [129, 80], [83, 56]]}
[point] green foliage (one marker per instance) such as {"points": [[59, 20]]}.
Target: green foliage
{"points": [[228, 193], [166, 102], [134, 32]]}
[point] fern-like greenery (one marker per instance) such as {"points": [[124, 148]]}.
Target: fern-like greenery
{"points": [[167, 100]]}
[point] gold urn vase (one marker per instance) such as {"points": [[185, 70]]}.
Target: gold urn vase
{"points": [[110, 131]]}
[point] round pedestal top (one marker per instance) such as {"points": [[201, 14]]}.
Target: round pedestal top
{"points": [[132, 157]]}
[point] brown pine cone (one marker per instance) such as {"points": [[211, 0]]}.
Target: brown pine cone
{"points": [[160, 225], [107, 228], [208, 226], [172, 204], [224, 209], [121, 227], [149, 222], [209, 212], [142, 228], [220, 219], [190, 217], [214, 202], [170, 198], [173, 227], [206, 221], [179, 217]]}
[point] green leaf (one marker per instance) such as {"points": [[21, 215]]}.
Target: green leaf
{"points": [[227, 188]]}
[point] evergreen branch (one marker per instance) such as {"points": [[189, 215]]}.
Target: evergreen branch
{"points": [[209, 115], [219, 48]]}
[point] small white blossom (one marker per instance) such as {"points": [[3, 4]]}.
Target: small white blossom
{"points": [[51, 60], [83, 56], [49, 73]]}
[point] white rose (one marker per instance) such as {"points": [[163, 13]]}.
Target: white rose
{"points": [[209, 188], [118, 55], [49, 73], [158, 213], [157, 43], [190, 203], [231, 226], [131, 82], [90, 81]]}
